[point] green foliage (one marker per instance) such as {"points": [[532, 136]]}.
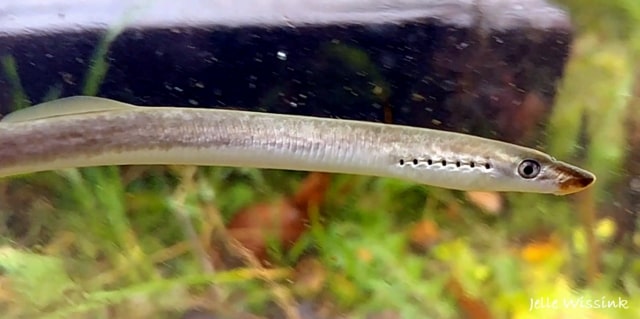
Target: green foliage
{"points": [[10, 69]]}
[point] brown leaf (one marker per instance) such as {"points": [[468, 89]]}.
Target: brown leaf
{"points": [[281, 222], [423, 235], [472, 308], [311, 191], [260, 224]]}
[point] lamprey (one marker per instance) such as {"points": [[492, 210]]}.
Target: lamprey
{"points": [[89, 131]]}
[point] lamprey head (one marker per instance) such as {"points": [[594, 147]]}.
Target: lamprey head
{"points": [[474, 164], [551, 175]]}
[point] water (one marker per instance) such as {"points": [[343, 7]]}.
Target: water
{"points": [[137, 242]]}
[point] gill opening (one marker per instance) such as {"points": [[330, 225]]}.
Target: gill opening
{"points": [[431, 162]]}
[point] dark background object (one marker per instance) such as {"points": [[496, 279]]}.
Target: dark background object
{"points": [[489, 68]]}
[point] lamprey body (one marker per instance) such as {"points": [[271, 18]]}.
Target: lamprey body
{"points": [[90, 131]]}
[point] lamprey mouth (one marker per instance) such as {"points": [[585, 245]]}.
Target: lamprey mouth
{"points": [[572, 179]]}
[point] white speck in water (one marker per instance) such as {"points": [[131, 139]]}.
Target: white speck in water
{"points": [[177, 88], [199, 85], [281, 55], [67, 78], [49, 55], [293, 104], [193, 102], [498, 40], [252, 79]]}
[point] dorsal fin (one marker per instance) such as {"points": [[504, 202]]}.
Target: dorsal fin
{"points": [[65, 106]]}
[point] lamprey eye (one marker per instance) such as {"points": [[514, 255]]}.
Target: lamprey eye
{"points": [[529, 169]]}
